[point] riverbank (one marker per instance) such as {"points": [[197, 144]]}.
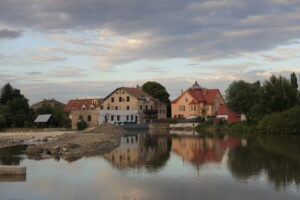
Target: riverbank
{"points": [[67, 144]]}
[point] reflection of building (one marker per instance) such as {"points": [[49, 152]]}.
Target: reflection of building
{"points": [[202, 150], [138, 150]]}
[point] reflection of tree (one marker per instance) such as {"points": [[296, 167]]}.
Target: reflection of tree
{"points": [[11, 155], [266, 153]]}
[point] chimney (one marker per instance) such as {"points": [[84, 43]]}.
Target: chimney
{"points": [[204, 91]]}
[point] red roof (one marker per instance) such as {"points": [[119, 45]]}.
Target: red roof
{"points": [[78, 104], [232, 117], [48, 101], [202, 95]]}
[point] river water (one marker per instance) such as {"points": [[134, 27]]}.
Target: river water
{"points": [[165, 166]]}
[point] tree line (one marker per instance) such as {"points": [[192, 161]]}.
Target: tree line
{"points": [[272, 105], [16, 112]]}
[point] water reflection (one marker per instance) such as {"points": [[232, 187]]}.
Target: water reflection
{"points": [[139, 150], [277, 156], [12, 155], [203, 150]]}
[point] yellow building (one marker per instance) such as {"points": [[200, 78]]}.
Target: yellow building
{"points": [[131, 105]]}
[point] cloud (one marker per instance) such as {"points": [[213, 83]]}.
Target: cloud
{"points": [[10, 34], [116, 33]]}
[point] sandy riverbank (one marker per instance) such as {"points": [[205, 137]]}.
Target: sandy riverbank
{"points": [[69, 145]]}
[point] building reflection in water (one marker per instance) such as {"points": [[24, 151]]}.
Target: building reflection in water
{"points": [[138, 150], [203, 150]]}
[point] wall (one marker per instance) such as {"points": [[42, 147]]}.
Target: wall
{"points": [[85, 113]]}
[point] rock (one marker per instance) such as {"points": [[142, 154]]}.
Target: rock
{"points": [[56, 147]]}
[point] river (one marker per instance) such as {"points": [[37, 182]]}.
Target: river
{"points": [[164, 166]]}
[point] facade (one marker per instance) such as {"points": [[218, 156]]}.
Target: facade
{"points": [[131, 105], [51, 102], [197, 101], [89, 116], [84, 109]]}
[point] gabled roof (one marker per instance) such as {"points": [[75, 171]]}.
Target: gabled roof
{"points": [[77, 104], [201, 95], [42, 118], [136, 92], [48, 101], [232, 117]]}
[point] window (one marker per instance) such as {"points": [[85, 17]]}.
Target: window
{"points": [[151, 107], [116, 107], [181, 108], [131, 117], [127, 117], [146, 107], [118, 117], [128, 108], [127, 98], [108, 108], [186, 100], [112, 99], [80, 117], [141, 107], [120, 99], [89, 118], [112, 118]]}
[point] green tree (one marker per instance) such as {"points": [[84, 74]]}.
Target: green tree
{"points": [[159, 92], [294, 80], [278, 94], [9, 93], [243, 97]]}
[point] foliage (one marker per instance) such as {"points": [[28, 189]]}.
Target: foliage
{"points": [[2, 122], [60, 117], [275, 95], [14, 108], [81, 125], [287, 121], [278, 95], [159, 92], [242, 97]]}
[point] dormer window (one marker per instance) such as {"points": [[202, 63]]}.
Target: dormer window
{"points": [[83, 107]]}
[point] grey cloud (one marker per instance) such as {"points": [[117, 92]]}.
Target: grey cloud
{"points": [[9, 34], [201, 30]]}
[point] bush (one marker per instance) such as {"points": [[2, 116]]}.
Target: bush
{"points": [[2, 122], [81, 125], [284, 122]]}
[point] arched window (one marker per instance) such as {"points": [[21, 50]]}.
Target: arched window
{"points": [[128, 108], [127, 98]]}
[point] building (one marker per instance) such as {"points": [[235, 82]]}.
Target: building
{"points": [[224, 113], [131, 105], [83, 104], [51, 102], [197, 101], [84, 109]]}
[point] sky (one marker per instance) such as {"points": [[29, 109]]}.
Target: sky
{"points": [[66, 49]]}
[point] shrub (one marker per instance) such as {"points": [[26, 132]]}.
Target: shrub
{"points": [[284, 122], [81, 125]]}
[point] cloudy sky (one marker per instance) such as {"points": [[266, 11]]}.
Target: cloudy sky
{"points": [[84, 48]]}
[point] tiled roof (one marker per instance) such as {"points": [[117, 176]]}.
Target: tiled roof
{"points": [[232, 117], [201, 95], [77, 104], [48, 101]]}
